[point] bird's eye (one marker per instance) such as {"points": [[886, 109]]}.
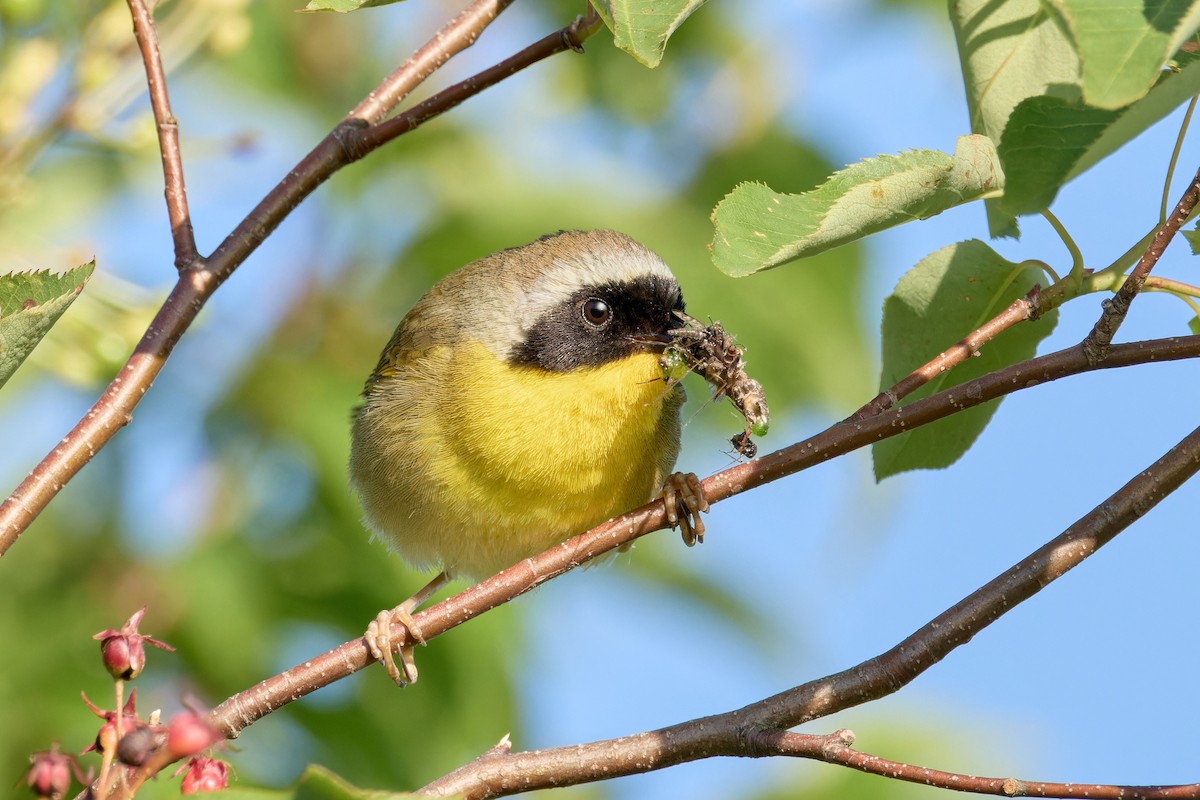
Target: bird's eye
{"points": [[596, 312]]}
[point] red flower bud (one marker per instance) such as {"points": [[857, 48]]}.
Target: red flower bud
{"points": [[204, 774], [123, 651], [49, 774]]}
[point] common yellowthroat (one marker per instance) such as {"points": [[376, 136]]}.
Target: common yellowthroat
{"points": [[519, 402]]}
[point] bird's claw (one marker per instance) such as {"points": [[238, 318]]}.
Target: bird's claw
{"points": [[379, 642], [684, 489]]}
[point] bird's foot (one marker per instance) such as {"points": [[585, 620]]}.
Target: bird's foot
{"points": [[379, 634], [684, 489]]}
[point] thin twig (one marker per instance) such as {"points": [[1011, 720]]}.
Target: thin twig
{"points": [[248, 706], [341, 146], [455, 36], [115, 406], [757, 729], [1115, 309], [182, 234], [1020, 310], [836, 748], [571, 37]]}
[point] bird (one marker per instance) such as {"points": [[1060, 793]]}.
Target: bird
{"points": [[521, 401]]}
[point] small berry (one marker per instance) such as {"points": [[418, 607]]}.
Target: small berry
{"points": [[138, 744], [123, 651]]}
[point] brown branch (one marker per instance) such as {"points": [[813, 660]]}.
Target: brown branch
{"points": [[835, 748], [571, 37], [1096, 344], [256, 702], [182, 234], [455, 36], [1020, 310], [758, 729], [342, 145], [115, 406]]}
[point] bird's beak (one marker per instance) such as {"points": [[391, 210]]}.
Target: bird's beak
{"points": [[661, 341], [657, 341], [686, 320]]}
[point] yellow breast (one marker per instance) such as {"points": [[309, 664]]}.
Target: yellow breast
{"points": [[500, 462]]}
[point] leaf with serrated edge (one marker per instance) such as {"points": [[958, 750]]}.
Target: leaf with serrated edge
{"points": [[1010, 51], [1123, 44], [757, 228], [642, 27], [1022, 65], [30, 304], [950, 293], [1049, 141], [1193, 239], [1170, 91]]}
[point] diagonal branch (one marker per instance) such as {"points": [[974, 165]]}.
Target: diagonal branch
{"points": [[1023, 308], [115, 407], [1096, 344], [184, 238], [755, 730], [455, 36], [342, 145], [248, 706], [571, 37]]}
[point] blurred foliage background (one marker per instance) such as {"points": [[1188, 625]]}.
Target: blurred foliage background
{"points": [[224, 506]]}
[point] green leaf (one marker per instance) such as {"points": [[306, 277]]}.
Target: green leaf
{"points": [[1049, 141], [1124, 44], [1172, 89], [30, 304], [1194, 325], [757, 228], [642, 27], [939, 301], [345, 6], [1010, 51], [1045, 138], [1062, 84], [315, 783], [1193, 238]]}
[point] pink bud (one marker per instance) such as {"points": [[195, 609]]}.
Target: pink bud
{"points": [[49, 774], [188, 733], [205, 774], [123, 651]]}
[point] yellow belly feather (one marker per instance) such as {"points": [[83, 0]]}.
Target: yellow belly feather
{"points": [[502, 462]]}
